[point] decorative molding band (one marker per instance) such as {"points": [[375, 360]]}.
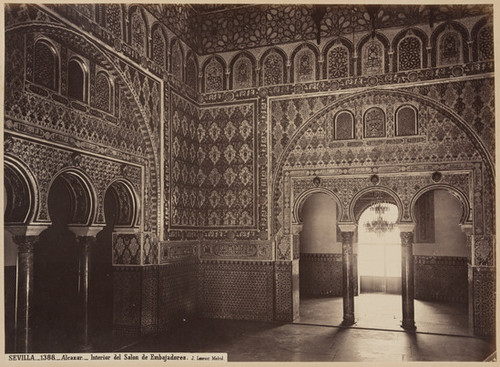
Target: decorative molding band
{"points": [[406, 78], [128, 268], [440, 260], [321, 257], [175, 251], [257, 250], [236, 262]]}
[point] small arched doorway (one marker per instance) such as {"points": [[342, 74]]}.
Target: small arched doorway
{"points": [[441, 256], [379, 250], [378, 246], [119, 212], [18, 209], [320, 261], [57, 310]]}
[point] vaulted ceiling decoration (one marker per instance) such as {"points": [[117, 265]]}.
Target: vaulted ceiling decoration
{"points": [[212, 28]]}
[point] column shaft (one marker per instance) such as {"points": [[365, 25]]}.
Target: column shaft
{"points": [[408, 286], [84, 242], [347, 278], [25, 278]]}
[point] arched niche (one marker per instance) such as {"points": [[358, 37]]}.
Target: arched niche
{"points": [[19, 200], [318, 214], [367, 197], [301, 199], [120, 208], [445, 208], [70, 199], [46, 64], [77, 79], [466, 212]]}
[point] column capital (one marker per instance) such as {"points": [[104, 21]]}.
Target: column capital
{"points": [[25, 230], [86, 231], [25, 244], [406, 239], [466, 228], [347, 227], [406, 227], [296, 228], [85, 241]]}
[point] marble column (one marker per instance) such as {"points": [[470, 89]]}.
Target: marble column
{"points": [[467, 229], [25, 279], [348, 280], [407, 276], [85, 243]]}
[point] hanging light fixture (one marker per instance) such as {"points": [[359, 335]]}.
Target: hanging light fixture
{"points": [[379, 225]]}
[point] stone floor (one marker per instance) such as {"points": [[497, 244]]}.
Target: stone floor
{"points": [[383, 311], [316, 336]]}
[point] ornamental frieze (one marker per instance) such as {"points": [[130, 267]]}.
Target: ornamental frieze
{"points": [[259, 250]]}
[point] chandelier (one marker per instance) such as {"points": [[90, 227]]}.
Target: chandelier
{"points": [[379, 225]]}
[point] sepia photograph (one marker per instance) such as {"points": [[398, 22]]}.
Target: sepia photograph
{"points": [[248, 182]]}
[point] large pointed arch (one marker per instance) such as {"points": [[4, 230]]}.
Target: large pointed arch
{"points": [[278, 168]]}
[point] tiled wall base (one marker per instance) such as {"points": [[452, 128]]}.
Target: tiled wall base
{"points": [[320, 274], [149, 300], [10, 307], [178, 286], [283, 309], [441, 278], [484, 300], [240, 290], [127, 293]]}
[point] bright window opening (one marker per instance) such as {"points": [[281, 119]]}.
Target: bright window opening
{"points": [[379, 253]]}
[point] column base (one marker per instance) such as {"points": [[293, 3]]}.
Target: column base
{"points": [[85, 348], [409, 325], [348, 320]]}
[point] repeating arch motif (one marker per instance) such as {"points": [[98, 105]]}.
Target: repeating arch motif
{"points": [[192, 71], [242, 71], [177, 60], [20, 192], [456, 192], [138, 30], [410, 50], [338, 60], [273, 70], [373, 50], [214, 75], [46, 64], [81, 196], [302, 198], [124, 204], [159, 46], [103, 92], [304, 64], [449, 44], [395, 197], [482, 40]]}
